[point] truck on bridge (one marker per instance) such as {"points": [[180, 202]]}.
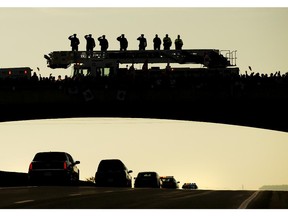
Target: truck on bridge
{"points": [[95, 64], [15, 73]]}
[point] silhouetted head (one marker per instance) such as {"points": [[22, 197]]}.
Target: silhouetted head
{"points": [[103, 36], [178, 36], [166, 35], [156, 35], [142, 35], [75, 35], [122, 35], [90, 35]]}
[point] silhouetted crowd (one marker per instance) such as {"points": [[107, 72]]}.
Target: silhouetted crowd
{"points": [[212, 85]]}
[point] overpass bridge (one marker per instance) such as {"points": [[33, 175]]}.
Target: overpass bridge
{"points": [[266, 113], [214, 93]]}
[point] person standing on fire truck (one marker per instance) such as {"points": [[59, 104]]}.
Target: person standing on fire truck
{"points": [[90, 44], [74, 42]]}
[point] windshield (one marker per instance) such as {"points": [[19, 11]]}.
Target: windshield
{"points": [[113, 165], [50, 156], [146, 175]]}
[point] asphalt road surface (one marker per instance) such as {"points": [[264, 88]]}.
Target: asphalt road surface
{"points": [[86, 197]]}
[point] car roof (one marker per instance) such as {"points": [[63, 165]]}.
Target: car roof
{"points": [[149, 172], [111, 164], [111, 160], [52, 152], [50, 156]]}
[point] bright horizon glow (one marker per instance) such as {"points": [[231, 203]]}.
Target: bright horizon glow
{"points": [[147, 3], [215, 156]]}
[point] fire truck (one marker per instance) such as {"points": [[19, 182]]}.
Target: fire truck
{"points": [[15, 73], [97, 62]]}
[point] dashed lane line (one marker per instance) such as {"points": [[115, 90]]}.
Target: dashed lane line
{"points": [[23, 201], [21, 187], [76, 194]]}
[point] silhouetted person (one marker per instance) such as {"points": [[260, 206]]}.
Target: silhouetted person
{"points": [[123, 42], [145, 65], [59, 78], [157, 42], [34, 77], [142, 42], [103, 43], [90, 44], [131, 72], [178, 43], [74, 42], [168, 68], [167, 42]]}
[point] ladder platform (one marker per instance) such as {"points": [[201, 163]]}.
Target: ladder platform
{"points": [[63, 59]]}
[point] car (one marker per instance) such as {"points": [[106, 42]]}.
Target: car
{"points": [[169, 182], [147, 179], [53, 167], [189, 186], [113, 173]]}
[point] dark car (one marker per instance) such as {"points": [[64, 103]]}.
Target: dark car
{"points": [[147, 179], [169, 182], [190, 186], [113, 173], [53, 167]]}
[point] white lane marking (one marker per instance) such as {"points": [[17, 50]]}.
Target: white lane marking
{"points": [[76, 194], [21, 187], [247, 201], [24, 201]]}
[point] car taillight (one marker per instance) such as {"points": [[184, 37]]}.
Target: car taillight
{"points": [[30, 166], [65, 165]]}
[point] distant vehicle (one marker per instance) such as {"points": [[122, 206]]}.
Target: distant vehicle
{"points": [[169, 182], [113, 173], [53, 167], [190, 186], [147, 179], [15, 73]]}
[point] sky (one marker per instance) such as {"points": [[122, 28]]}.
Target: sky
{"points": [[258, 34], [215, 156]]}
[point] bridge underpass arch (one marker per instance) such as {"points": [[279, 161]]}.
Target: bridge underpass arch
{"points": [[263, 113]]}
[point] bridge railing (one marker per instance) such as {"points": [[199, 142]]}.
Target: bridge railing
{"points": [[230, 56]]}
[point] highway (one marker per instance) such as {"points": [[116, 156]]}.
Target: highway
{"points": [[90, 197]]}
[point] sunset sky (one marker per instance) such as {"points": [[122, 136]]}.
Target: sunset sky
{"points": [[258, 34], [215, 156]]}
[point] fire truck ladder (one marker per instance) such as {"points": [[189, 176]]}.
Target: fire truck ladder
{"points": [[63, 59]]}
